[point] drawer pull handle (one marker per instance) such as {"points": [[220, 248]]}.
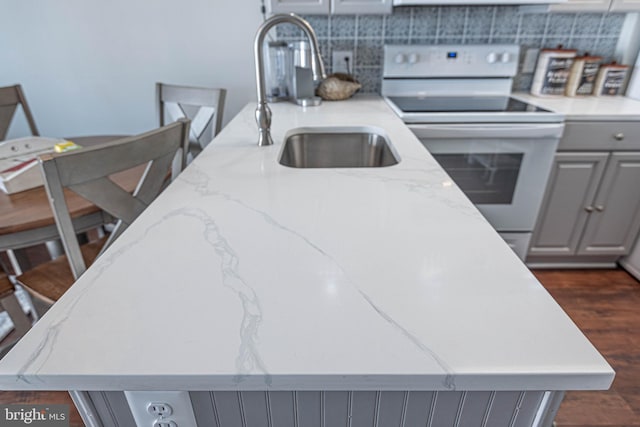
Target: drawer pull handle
{"points": [[589, 209], [599, 208], [619, 136]]}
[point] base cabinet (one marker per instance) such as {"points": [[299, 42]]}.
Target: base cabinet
{"points": [[590, 213], [614, 223], [591, 207]]}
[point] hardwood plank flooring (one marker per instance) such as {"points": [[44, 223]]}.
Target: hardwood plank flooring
{"points": [[605, 304]]}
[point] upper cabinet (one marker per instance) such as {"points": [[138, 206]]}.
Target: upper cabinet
{"points": [[361, 6], [352, 7], [336, 7], [307, 7], [625, 5], [597, 5]]}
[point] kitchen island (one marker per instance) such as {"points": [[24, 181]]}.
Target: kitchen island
{"points": [[283, 296]]}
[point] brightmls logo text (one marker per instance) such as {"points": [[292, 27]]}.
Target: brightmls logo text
{"points": [[27, 416], [34, 415]]}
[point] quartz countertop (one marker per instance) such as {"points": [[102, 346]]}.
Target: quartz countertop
{"points": [[588, 108], [249, 275]]}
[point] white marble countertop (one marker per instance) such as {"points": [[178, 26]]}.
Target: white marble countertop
{"points": [[248, 275], [588, 108]]}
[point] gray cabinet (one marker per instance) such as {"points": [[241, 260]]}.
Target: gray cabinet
{"points": [[624, 6], [582, 6], [591, 209], [572, 187], [614, 222], [311, 7], [324, 7]]}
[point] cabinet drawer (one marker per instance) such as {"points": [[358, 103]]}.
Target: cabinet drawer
{"points": [[619, 136]]}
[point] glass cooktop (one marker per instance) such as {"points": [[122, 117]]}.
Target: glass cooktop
{"points": [[463, 104]]}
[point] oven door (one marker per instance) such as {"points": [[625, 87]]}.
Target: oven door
{"points": [[502, 168]]}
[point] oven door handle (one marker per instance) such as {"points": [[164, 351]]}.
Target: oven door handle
{"points": [[488, 130]]}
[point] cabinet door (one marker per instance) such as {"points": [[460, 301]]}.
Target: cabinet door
{"points": [[572, 186], [625, 5], [581, 6], [299, 6], [613, 225], [361, 6]]}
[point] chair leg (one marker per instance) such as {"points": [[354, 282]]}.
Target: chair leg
{"points": [[29, 303], [38, 304], [21, 321], [54, 247], [15, 263]]}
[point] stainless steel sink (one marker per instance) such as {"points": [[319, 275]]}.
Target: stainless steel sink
{"points": [[337, 148]]}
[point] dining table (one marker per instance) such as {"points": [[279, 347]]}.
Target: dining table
{"points": [[26, 218]]}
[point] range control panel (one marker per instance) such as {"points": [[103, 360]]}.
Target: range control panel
{"points": [[416, 61]]}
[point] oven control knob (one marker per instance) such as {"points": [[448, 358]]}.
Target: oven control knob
{"points": [[413, 58], [400, 58], [505, 57], [492, 57]]}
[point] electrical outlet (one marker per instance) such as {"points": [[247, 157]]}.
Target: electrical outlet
{"points": [[161, 408], [342, 61]]}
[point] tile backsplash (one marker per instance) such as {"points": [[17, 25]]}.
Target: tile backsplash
{"points": [[596, 33]]}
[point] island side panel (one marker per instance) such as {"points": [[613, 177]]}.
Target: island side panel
{"points": [[361, 408]]}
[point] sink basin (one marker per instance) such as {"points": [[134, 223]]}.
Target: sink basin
{"points": [[337, 148]]}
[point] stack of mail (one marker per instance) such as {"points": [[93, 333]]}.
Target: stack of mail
{"points": [[19, 168]]}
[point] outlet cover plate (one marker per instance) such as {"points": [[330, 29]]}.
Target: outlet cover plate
{"points": [[530, 60], [180, 402], [338, 62]]}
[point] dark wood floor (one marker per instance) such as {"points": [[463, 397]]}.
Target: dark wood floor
{"points": [[605, 304]]}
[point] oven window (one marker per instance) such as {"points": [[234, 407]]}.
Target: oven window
{"points": [[486, 178]]}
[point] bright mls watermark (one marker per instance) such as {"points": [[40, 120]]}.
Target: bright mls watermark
{"points": [[34, 415]]}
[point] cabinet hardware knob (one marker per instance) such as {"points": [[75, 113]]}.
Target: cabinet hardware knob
{"points": [[619, 136], [599, 208], [589, 209]]}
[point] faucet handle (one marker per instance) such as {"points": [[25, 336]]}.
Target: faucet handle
{"points": [[263, 118]]}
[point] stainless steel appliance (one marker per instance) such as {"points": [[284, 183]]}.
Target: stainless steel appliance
{"points": [[278, 71], [496, 148], [288, 73]]}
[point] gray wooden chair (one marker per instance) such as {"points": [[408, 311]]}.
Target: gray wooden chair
{"points": [[86, 172], [203, 106], [10, 98]]}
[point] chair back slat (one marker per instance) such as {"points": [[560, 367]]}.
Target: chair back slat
{"points": [[10, 98], [111, 198], [6, 116], [154, 180], [86, 172], [203, 106], [55, 191], [201, 119], [116, 156]]}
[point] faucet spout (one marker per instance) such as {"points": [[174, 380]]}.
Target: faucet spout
{"points": [[263, 112]]}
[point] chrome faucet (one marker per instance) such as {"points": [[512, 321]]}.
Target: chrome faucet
{"points": [[263, 112]]}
